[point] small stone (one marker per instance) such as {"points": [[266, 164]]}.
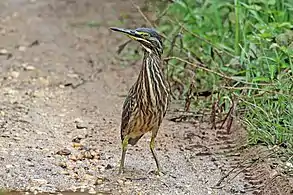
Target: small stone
{"points": [[15, 74], [5, 134], [44, 81], [82, 188], [21, 48], [76, 145], [9, 166], [73, 158], [29, 68], [63, 165], [3, 51], [81, 126], [64, 172], [78, 120], [99, 182], [88, 154], [288, 164], [64, 152], [10, 91], [120, 181], [72, 75], [80, 157], [77, 139], [40, 181], [88, 177], [108, 167], [38, 94], [127, 182], [92, 191]]}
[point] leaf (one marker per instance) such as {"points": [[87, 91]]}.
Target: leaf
{"points": [[271, 2], [261, 79]]}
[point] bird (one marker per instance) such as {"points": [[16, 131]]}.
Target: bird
{"points": [[148, 99]]}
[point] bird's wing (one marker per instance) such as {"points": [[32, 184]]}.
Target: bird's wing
{"points": [[127, 110]]}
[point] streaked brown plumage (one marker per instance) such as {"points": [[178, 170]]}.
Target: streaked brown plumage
{"points": [[146, 104]]}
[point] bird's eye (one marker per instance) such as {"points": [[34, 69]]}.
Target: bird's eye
{"points": [[146, 35]]}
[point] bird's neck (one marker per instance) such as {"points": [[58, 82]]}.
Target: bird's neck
{"points": [[151, 84], [151, 66]]}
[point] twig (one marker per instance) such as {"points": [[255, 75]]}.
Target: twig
{"points": [[189, 96], [201, 66], [142, 14], [199, 37], [231, 115], [253, 88], [163, 13], [122, 46]]}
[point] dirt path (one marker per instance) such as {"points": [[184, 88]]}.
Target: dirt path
{"points": [[62, 92]]}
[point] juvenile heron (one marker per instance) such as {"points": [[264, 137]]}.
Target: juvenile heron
{"points": [[146, 103]]}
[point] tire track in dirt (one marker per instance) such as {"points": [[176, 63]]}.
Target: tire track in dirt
{"points": [[61, 103]]}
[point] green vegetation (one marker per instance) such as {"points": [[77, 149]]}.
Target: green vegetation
{"points": [[238, 51]]}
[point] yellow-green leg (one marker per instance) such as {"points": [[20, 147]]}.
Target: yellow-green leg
{"points": [[152, 147], [124, 149]]}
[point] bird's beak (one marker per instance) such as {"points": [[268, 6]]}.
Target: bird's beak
{"points": [[130, 33]]}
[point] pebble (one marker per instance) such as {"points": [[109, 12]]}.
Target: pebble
{"points": [[44, 81], [9, 166], [88, 177], [81, 126], [63, 165], [288, 164], [3, 51], [64, 152], [73, 75], [40, 181], [78, 120], [120, 181], [28, 67], [14, 74], [64, 172], [77, 140], [10, 91], [92, 191], [73, 158], [99, 181], [21, 48], [82, 188], [108, 167], [77, 145]]}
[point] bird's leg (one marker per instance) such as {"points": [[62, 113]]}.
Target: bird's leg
{"points": [[152, 147], [124, 149]]}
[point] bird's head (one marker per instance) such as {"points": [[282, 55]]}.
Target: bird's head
{"points": [[149, 38]]}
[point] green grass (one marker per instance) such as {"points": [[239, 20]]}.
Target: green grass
{"points": [[246, 49]]}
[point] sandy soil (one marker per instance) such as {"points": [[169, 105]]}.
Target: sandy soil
{"points": [[62, 87]]}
